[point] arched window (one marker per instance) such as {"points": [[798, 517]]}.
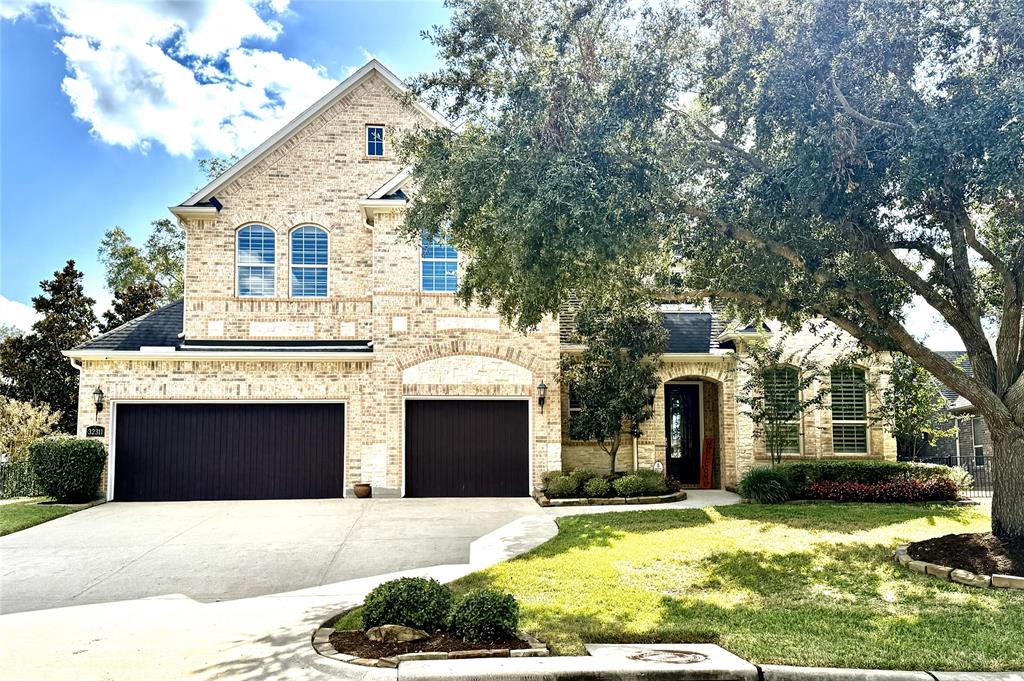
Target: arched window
{"points": [[309, 262], [849, 411], [439, 265], [782, 398], [255, 261]]}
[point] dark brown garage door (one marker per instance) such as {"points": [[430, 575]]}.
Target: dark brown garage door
{"points": [[466, 448], [179, 452]]}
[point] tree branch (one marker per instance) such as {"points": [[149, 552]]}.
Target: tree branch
{"points": [[848, 108]]}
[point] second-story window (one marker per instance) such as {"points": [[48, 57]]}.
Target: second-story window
{"points": [[375, 140], [309, 262], [439, 265], [255, 261]]}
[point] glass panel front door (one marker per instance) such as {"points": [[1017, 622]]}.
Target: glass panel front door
{"points": [[682, 433]]}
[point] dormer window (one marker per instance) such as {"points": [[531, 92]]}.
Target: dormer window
{"points": [[375, 141], [254, 255]]}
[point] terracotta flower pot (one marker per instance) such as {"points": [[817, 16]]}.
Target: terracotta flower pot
{"points": [[363, 490]]}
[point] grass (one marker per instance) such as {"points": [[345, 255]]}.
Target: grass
{"points": [[809, 584], [19, 515]]}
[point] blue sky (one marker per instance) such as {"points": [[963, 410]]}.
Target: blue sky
{"points": [[88, 142], [105, 106]]}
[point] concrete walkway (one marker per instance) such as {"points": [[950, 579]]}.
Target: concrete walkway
{"points": [[151, 634]]}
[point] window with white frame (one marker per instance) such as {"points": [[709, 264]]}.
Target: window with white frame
{"points": [[782, 397], [254, 255], [375, 140], [976, 438], [439, 264], [849, 411], [309, 262]]}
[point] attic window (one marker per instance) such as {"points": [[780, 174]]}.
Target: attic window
{"points": [[375, 141]]}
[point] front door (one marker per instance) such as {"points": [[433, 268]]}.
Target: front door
{"points": [[682, 433]]}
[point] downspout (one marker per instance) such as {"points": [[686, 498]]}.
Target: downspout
{"points": [[636, 454]]}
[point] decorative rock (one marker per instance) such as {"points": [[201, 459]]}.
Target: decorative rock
{"points": [[409, 657], [395, 633], [463, 654], [970, 579], [529, 652], [364, 662], [387, 663], [918, 566], [322, 635], [904, 558], [940, 571], [1008, 581]]}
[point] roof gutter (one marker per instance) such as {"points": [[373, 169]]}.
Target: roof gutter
{"points": [[213, 355]]}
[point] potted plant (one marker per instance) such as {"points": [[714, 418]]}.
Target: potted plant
{"points": [[363, 490]]}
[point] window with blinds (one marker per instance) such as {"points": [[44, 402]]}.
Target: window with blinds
{"points": [[979, 448], [781, 387], [849, 411]]}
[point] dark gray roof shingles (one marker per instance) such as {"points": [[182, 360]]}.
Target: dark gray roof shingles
{"points": [[159, 328]]}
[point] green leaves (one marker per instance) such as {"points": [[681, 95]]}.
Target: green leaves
{"points": [[160, 261]]}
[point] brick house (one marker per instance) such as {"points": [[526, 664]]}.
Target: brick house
{"points": [[316, 348]]}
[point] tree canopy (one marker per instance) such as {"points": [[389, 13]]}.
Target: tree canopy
{"points": [[793, 159], [160, 261]]}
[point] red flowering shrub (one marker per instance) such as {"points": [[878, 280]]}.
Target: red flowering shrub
{"points": [[937, 489]]}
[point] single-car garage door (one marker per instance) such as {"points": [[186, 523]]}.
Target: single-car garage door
{"points": [[181, 452], [466, 448]]}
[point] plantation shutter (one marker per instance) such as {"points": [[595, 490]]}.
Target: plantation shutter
{"points": [[849, 411], [782, 394]]}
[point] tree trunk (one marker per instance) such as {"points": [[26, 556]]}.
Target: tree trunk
{"points": [[1008, 482]]}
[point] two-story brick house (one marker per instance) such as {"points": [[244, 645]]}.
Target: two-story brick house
{"points": [[316, 347]]}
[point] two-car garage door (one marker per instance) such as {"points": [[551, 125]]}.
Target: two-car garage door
{"points": [[179, 452], [296, 450]]}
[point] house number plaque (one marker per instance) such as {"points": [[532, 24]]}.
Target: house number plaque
{"points": [[94, 431]]}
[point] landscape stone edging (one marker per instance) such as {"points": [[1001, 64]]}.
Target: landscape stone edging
{"points": [[542, 500], [322, 645], [955, 575]]}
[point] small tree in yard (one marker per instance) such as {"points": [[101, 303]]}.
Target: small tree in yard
{"points": [[609, 379], [780, 386], [22, 423], [914, 406]]}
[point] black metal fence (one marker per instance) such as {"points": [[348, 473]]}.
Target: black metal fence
{"points": [[16, 480], [977, 473]]}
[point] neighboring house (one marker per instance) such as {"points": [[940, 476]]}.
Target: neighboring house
{"points": [[316, 348], [973, 445]]}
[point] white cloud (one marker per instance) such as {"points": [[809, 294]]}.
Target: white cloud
{"points": [[928, 326], [18, 315], [179, 74]]}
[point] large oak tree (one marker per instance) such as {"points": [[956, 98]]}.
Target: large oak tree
{"points": [[792, 158]]}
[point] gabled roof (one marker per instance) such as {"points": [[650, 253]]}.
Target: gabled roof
{"points": [[957, 358], [254, 156], [159, 328]]}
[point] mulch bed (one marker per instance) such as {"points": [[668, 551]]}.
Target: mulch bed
{"points": [[982, 553], [356, 643]]}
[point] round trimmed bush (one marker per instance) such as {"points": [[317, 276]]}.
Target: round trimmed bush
{"points": [[562, 486], [67, 468], [765, 485], [596, 488], [410, 602], [551, 475], [484, 615], [654, 482], [581, 475], [631, 485]]}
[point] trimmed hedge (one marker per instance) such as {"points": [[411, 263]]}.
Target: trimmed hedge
{"points": [[936, 489], [561, 487], [801, 474], [67, 468], [630, 486], [410, 602], [765, 485], [597, 488], [484, 615]]}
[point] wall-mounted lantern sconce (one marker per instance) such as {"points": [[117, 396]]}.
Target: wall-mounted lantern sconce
{"points": [[652, 390], [97, 396], [542, 395]]}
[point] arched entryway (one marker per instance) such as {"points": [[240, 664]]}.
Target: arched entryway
{"points": [[691, 409]]}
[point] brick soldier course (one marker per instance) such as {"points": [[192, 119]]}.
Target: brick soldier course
{"points": [[385, 339]]}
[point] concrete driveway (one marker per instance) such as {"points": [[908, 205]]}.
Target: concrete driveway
{"points": [[225, 550]]}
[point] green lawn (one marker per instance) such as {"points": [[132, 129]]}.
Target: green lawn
{"points": [[794, 584], [18, 515]]}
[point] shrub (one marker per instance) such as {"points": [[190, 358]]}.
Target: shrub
{"points": [[21, 424], [801, 474], [597, 487], [936, 489], [654, 481], [581, 475], [484, 615], [962, 477], [629, 486], [551, 475], [562, 486], [765, 485], [408, 601], [67, 468]]}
